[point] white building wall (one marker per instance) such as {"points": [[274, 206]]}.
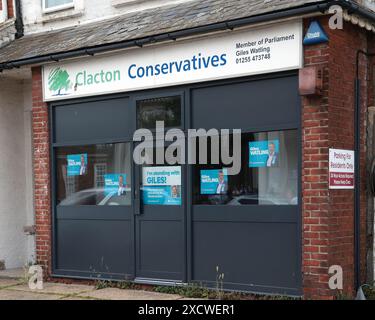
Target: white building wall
{"points": [[29, 181], [84, 11], [369, 4], [16, 248]]}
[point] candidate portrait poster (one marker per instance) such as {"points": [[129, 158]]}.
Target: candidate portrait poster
{"points": [[77, 164], [264, 154], [214, 181], [115, 184]]}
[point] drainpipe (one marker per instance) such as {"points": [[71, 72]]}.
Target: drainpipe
{"points": [[357, 182], [19, 20]]}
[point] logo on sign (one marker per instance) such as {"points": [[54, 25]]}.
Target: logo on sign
{"points": [[59, 82]]}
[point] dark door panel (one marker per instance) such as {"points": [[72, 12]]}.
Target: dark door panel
{"points": [[99, 248], [247, 105], [249, 254]]}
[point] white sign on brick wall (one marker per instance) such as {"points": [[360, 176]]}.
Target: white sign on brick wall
{"points": [[233, 54], [341, 169]]}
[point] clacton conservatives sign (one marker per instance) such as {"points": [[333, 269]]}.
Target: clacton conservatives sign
{"points": [[231, 54]]}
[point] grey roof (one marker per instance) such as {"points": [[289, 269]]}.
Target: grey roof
{"points": [[140, 24]]}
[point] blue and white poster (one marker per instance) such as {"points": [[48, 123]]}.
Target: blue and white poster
{"points": [[115, 184], [77, 164], [214, 181], [162, 185], [264, 153]]}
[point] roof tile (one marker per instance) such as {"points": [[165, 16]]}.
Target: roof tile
{"points": [[140, 24]]}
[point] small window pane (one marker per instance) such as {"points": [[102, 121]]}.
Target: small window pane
{"points": [[55, 3], [268, 176], [94, 175], [159, 109]]}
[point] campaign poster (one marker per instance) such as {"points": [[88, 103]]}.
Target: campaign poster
{"points": [[162, 185], [115, 184], [214, 181], [77, 164], [264, 153]]}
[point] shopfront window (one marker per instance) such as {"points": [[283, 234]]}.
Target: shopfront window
{"points": [[268, 176], [167, 109], [94, 175]]}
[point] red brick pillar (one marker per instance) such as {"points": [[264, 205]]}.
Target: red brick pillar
{"points": [[10, 9], [328, 122], [315, 199], [42, 179], [371, 152]]}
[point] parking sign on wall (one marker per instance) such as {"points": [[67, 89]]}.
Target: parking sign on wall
{"points": [[341, 169]]}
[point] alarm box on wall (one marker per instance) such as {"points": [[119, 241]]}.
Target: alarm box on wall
{"points": [[311, 81]]}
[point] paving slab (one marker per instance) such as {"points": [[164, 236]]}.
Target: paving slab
{"points": [[120, 294], [57, 288], [12, 273], [75, 298], [7, 294], [9, 282]]}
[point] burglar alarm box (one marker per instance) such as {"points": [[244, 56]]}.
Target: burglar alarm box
{"points": [[311, 81]]}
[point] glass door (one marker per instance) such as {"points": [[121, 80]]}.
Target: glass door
{"points": [[159, 208]]}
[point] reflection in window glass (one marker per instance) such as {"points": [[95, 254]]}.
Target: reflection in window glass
{"points": [[269, 173], [166, 109], [94, 175], [56, 3]]}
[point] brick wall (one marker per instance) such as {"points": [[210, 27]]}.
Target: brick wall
{"points": [[371, 156], [10, 6], [328, 215], [42, 183]]}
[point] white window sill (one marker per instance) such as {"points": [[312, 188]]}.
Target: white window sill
{"points": [[58, 8], [121, 3]]}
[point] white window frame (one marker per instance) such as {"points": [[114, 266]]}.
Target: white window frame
{"points": [[97, 167], [4, 11], [70, 182], [57, 8]]}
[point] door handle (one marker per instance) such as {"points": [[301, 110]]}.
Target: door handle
{"points": [[137, 193], [137, 204]]}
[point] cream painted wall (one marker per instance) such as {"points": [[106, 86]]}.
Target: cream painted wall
{"points": [[16, 210], [29, 181], [84, 11]]}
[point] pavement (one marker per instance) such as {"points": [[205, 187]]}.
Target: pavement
{"points": [[14, 286]]}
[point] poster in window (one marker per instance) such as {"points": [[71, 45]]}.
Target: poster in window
{"points": [[162, 185], [264, 154], [77, 164], [214, 181], [115, 184]]}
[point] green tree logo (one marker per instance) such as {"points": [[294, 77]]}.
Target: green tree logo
{"points": [[58, 80]]}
